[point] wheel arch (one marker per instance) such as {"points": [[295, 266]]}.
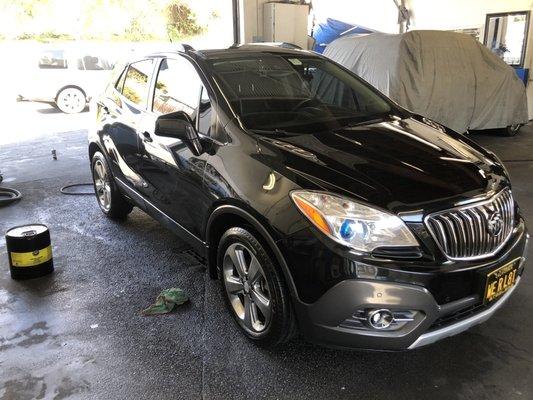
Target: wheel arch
{"points": [[227, 216], [93, 148]]}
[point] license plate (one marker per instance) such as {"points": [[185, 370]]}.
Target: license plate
{"points": [[501, 280]]}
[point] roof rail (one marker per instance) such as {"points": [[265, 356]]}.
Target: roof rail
{"points": [[285, 45], [166, 49]]}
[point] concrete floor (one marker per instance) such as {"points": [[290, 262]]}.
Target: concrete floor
{"points": [[78, 333]]}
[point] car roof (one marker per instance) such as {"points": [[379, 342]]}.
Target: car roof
{"points": [[235, 51], [252, 48]]}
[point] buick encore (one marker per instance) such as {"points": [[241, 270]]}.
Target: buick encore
{"points": [[324, 208]]}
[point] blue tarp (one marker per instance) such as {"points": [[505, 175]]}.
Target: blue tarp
{"points": [[523, 74], [326, 33]]}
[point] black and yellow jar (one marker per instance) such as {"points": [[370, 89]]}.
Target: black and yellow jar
{"points": [[30, 251]]}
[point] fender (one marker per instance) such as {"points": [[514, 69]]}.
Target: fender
{"points": [[95, 146], [231, 209]]}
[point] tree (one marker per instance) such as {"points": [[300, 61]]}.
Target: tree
{"points": [[132, 20], [181, 21]]}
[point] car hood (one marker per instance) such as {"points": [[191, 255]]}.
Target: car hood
{"points": [[399, 165]]}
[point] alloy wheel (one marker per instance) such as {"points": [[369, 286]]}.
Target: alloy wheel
{"points": [[102, 185], [247, 288]]}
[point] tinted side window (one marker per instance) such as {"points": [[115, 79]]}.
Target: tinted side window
{"points": [[53, 59], [137, 82], [177, 88]]}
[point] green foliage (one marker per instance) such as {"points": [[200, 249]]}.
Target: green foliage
{"points": [[181, 22], [130, 20], [45, 37], [135, 32]]}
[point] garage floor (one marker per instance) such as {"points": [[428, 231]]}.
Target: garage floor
{"points": [[78, 333]]}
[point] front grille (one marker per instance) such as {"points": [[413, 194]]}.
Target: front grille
{"points": [[475, 230]]}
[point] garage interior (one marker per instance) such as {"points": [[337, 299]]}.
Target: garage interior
{"points": [[79, 332]]}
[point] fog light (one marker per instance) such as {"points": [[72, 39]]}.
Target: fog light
{"points": [[360, 320], [380, 319]]}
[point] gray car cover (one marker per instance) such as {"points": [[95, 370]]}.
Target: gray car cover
{"points": [[448, 77]]}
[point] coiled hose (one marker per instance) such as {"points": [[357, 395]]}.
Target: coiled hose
{"points": [[8, 196], [66, 189]]}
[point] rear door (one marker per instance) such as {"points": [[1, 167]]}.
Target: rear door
{"points": [[173, 173], [121, 112]]}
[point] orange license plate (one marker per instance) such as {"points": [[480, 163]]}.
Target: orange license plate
{"points": [[501, 280]]}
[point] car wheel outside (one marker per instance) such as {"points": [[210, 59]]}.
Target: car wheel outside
{"points": [[254, 288], [71, 100], [512, 130], [111, 201]]}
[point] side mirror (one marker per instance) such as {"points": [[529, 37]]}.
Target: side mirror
{"points": [[178, 125]]}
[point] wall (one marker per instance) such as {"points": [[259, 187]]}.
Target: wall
{"points": [[456, 14], [251, 12], [380, 15]]}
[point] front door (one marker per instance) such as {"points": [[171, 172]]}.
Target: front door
{"points": [[172, 172]]}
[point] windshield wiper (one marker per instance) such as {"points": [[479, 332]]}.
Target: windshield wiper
{"points": [[271, 132], [367, 122]]}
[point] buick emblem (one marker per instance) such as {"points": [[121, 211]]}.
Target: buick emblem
{"points": [[494, 223]]}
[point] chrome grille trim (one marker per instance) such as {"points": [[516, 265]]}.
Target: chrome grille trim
{"points": [[462, 233]]}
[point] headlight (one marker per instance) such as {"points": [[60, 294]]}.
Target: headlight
{"points": [[353, 224]]}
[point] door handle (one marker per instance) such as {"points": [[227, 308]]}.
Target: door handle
{"points": [[147, 137]]}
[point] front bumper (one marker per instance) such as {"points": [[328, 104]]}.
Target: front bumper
{"points": [[462, 325], [323, 321]]}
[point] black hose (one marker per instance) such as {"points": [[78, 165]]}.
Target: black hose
{"points": [[8, 196], [65, 191]]}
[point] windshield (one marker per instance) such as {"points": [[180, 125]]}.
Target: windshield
{"points": [[286, 92]]}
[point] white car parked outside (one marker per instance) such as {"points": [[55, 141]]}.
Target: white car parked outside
{"points": [[67, 78]]}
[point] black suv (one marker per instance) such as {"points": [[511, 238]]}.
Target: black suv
{"points": [[322, 206]]}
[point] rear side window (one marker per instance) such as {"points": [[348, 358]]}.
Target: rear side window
{"points": [[53, 59], [136, 82], [90, 62], [177, 88]]}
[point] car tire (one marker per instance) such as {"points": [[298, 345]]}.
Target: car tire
{"points": [[254, 289], [512, 130], [112, 203], [71, 100]]}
